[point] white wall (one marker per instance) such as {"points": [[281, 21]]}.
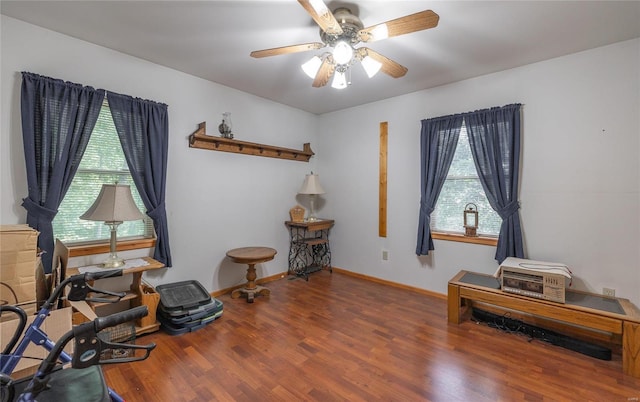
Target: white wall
{"points": [[579, 183], [215, 200], [579, 186]]}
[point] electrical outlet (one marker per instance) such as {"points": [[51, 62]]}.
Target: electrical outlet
{"points": [[385, 255], [609, 292]]}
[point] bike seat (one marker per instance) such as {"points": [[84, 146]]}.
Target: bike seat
{"points": [[71, 385]]}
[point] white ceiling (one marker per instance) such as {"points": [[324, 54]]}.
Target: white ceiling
{"points": [[213, 39]]}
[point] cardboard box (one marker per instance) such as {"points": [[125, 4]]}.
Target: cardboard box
{"points": [[56, 325], [18, 261]]}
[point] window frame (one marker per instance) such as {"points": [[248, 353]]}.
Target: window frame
{"points": [[484, 239], [481, 239], [102, 246], [77, 249]]}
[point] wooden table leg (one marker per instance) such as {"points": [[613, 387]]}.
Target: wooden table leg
{"points": [[136, 283], [631, 349], [453, 304], [251, 289], [251, 277]]}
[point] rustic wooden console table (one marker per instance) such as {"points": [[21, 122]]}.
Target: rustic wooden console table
{"points": [[588, 310], [309, 249], [135, 295]]}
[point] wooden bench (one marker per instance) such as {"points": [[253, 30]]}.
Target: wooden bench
{"points": [[593, 312]]}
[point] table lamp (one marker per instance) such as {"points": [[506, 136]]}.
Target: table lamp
{"points": [[312, 188], [113, 206]]}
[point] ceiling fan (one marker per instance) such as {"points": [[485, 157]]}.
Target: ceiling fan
{"points": [[342, 31]]}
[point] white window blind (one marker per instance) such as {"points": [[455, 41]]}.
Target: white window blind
{"points": [[461, 187], [102, 163]]}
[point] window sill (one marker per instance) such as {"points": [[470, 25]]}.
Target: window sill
{"points": [[103, 248], [487, 241]]}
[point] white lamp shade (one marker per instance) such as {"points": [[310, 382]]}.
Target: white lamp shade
{"points": [[339, 80], [381, 31], [342, 52], [312, 66], [371, 66], [311, 185], [114, 204]]}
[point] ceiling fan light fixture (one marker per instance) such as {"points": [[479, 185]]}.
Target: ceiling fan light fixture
{"points": [[312, 66], [339, 80], [371, 66], [342, 52], [340, 32], [380, 32]]}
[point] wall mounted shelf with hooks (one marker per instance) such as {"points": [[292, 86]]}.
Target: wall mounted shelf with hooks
{"points": [[199, 139]]}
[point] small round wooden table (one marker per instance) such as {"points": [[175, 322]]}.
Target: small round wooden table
{"points": [[251, 256]]}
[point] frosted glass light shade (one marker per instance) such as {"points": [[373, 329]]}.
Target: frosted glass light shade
{"points": [[371, 66], [312, 66], [339, 80], [380, 32], [342, 52]]}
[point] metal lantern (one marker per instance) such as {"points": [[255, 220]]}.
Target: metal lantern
{"points": [[471, 220], [226, 126]]}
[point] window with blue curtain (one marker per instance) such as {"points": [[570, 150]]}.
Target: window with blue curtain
{"points": [[58, 119], [494, 141]]}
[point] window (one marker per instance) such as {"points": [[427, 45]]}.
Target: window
{"points": [[461, 187], [103, 162]]}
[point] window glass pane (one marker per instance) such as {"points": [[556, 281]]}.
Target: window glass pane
{"points": [[102, 163], [462, 164], [462, 187]]}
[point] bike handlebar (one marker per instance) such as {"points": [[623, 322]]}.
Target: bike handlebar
{"points": [[95, 275], [80, 287], [22, 323], [119, 318]]}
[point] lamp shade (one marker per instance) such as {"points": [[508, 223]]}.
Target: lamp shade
{"points": [[312, 66], [342, 52], [339, 80], [311, 185], [114, 204], [371, 66]]}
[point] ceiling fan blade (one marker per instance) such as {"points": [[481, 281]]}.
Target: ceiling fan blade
{"points": [[322, 16], [389, 66], [325, 72], [400, 26], [287, 49]]}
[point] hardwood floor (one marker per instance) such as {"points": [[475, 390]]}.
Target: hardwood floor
{"points": [[340, 338]]}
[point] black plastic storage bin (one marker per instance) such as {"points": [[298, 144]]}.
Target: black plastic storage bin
{"points": [[182, 295], [198, 312], [186, 306]]}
